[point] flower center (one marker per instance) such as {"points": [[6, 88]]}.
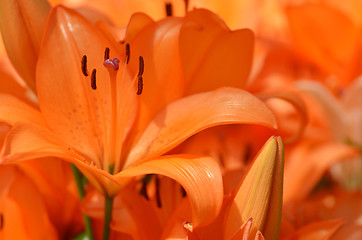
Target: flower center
{"points": [[121, 107]]}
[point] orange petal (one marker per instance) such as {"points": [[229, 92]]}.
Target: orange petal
{"points": [[131, 213], [189, 115], [212, 55], [137, 22], [299, 106], [352, 101], [260, 194], [306, 159], [46, 173], [22, 208], [155, 9], [313, 27], [329, 104], [22, 24], [244, 231], [25, 142], [144, 216], [236, 13], [178, 224], [11, 82], [199, 176], [13, 111], [158, 44], [317, 231]]}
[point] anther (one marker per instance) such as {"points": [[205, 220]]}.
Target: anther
{"points": [[140, 85], [128, 53], [158, 195], [112, 63], [93, 79], [168, 9], [141, 66], [106, 53], [1, 221], [84, 66], [186, 5]]}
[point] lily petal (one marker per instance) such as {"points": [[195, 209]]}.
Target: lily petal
{"points": [[299, 106], [131, 214], [212, 55], [260, 194], [306, 159], [187, 116], [26, 19], [199, 176], [137, 22], [329, 104], [11, 82], [27, 141], [28, 215], [158, 44], [13, 111], [313, 28], [317, 230]]}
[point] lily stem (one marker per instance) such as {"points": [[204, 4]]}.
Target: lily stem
{"points": [[108, 205], [78, 179]]}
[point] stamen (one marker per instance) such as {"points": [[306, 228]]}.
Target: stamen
{"points": [[93, 79], [168, 9], [112, 63], [141, 66], [140, 85], [183, 192], [140, 73], [84, 66], [106, 53], [143, 191], [186, 5], [158, 194], [128, 53]]}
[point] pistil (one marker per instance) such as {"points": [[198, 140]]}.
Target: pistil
{"points": [[112, 65]]}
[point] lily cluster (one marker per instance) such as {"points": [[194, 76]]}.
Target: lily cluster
{"points": [[164, 119]]}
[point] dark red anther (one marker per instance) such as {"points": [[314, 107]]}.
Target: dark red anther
{"points": [[158, 194], [106, 53], [168, 7], [140, 85], [186, 5], [128, 52], [93, 79], [84, 66], [141, 66], [1, 221]]}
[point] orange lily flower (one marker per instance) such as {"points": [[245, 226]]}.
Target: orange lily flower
{"points": [[95, 130]]}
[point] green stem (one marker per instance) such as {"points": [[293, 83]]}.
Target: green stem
{"points": [[78, 180], [108, 205]]}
